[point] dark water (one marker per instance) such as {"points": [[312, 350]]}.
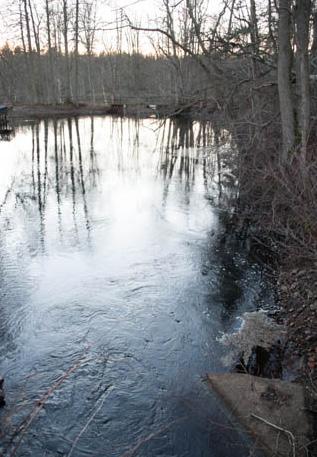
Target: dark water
{"points": [[115, 286]]}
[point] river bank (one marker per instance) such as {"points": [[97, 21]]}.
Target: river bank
{"points": [[42, 111], [273, 357], [275, 216], [293, 349], [296, 312], [276, 209], [137, 109], [297, 289]]}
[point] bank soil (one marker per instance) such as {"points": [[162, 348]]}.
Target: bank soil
{"points": [[297, 288], [280, 413], [42, 111]]}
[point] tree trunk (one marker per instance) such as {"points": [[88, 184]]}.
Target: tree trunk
{"points": [[36, 57], [25, 55], [21, 30], [314, 42], [254, 37], [27, 23], [302, 17], [30, 52], [272, 39], [232, 11], [50, 56], [76, 51], [65, 33], [35, 31], [284, 82]]}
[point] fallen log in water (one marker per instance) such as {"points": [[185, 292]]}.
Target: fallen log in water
{"points": [[2, 396]]}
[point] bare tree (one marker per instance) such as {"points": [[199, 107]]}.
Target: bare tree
{"points": [[302, 18], [88, 21], [50, 51], [76, 49], [284, 78], [66, 50]]}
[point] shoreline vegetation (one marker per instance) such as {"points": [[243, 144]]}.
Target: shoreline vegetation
{"points": [[40, 111], [138, 108]]}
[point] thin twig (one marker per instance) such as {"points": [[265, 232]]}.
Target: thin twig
{"points": [[41, 402], [90, 419], [280, 429], [149, 437]]}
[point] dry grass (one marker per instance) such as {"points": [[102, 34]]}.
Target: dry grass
{"points": [[280, 200]]}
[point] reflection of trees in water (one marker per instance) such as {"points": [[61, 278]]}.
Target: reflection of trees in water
{"points": [[183, 144], [226, 259], [82, 179], [66, 164], [125, 144], [176, 153], [68, 175], [94, 171]]}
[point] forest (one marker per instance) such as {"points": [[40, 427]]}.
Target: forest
{"points": [[245, 71]]}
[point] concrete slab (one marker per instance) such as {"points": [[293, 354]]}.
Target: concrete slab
{"points": [[272, 410]]}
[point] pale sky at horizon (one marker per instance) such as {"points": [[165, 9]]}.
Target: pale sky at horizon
{"points": [[142, 11]]}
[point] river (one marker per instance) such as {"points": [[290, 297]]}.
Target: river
{"points": [[116, 286]]}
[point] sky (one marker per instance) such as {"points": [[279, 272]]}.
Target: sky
{"points": [[143, 12], [149, 8], [146, 12]]}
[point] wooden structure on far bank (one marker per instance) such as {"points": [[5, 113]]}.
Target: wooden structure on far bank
{"points": [[5, 128]]}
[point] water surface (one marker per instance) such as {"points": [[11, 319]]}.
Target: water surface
{"points": [[115, 288]]}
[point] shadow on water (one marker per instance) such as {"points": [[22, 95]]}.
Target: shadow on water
{"points": [[116, 283]]}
